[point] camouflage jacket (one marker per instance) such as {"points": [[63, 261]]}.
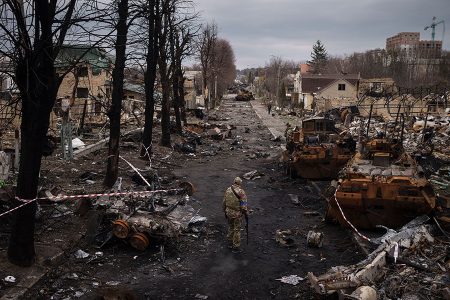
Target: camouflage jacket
{"points": [[234, 201]]}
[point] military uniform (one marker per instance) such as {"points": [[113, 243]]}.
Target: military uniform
{"points": [[234, 206]]}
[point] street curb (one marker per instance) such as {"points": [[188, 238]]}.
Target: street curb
{"points": [[18, 291], [271, 130], [43, 265]]}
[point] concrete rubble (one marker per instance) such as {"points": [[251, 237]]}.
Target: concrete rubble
{"points": [[403, 263], [412, 261]]}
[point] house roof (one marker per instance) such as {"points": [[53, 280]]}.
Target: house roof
{"points": [[190, 75], [137, 88], [313, 83], [305, 68], [94, 56]]}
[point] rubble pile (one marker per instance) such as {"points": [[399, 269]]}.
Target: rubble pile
{"points": [[413, 262], [413, 133], [194, 135]]}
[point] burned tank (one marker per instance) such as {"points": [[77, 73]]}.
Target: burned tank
{"points": [[380, 185], [316, 150], [244, 95]]}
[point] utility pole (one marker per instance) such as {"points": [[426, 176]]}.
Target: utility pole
{"points": [[215, 87], [278, 85]]}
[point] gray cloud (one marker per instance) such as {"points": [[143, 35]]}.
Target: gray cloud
{"points": [[289, 28]]}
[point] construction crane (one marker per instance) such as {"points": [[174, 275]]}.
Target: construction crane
{"points": [[433, 28]]}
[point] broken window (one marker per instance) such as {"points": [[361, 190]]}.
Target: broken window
{"points": [[319, 126], [308, 126], [82, 93], [82, 72], [98, 106], [341, 87]]}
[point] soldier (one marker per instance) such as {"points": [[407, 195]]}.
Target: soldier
{"points": [[235, 206]]}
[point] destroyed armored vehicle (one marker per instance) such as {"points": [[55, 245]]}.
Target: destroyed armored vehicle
{"points": [[244, 95], [316, 151], [381, 185], [158, 216]]}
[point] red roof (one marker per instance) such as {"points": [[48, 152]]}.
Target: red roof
{"points": [[304, 68]]}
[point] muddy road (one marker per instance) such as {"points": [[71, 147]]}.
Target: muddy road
{"points": [[199, 265]]}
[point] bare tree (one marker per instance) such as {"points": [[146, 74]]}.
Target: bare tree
{"points": [[163, 35], [117, 93], [223, 67], [275, 71], [182, 33], [153, 23], [31, 36], [206, 44]]}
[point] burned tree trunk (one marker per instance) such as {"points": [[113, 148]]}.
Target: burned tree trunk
{"points": [[175, 81], [38, 92], [117, 95], [176, 105], [150, 77], [164, 73], [165, 103], [34, 37], [182, 99]]}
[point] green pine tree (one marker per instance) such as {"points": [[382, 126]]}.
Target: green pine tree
{"points": [[319, 58]]}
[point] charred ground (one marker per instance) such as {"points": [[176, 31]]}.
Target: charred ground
{"points": [[199, 264]]}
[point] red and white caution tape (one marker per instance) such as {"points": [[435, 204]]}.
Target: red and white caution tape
{"points": [[17, 207], [69, 197], [347, 221]]}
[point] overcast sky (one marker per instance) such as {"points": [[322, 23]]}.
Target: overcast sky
{"points": [[258, 29]]}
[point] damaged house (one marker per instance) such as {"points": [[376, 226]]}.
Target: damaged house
{"points": [[133, 98], [324, 91], [192, 89], [89, 83]]}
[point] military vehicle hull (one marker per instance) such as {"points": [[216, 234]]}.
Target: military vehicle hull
{"points": [[392, 203], [382, 186], [320, 165], [316, 151]]}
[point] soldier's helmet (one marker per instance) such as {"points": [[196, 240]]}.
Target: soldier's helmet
{"points": [[238, 180]]}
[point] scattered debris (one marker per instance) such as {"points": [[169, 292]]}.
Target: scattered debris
{"points": [[10, 279], [291, 279], [314, 239], [283, 237], [420, 262], [252, 175], [364, 293], [294, 199], [78, 144], [80, 254]]}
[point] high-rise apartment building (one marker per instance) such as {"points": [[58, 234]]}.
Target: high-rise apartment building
{"points": [[411, 45]]}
